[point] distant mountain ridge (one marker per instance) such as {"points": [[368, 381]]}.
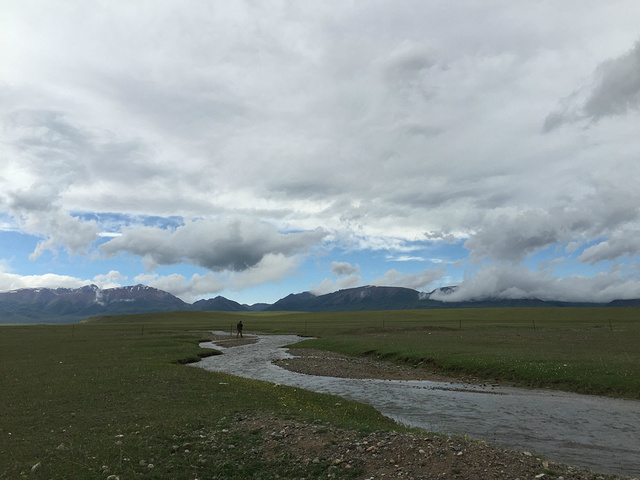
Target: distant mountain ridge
{"points": [[35, 305], [65, 305], [218, 304], [360, 298], [399, 298]]}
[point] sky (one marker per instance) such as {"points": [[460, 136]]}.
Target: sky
{"points": [[253, 149]]}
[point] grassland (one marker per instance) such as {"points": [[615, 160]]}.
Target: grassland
{"points": [[83, 400], [111, 396]]}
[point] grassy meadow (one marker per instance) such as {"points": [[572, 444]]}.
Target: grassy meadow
{"points": [[111, 396]]}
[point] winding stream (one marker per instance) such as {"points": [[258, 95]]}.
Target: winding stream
{"points": [[599, 433]]}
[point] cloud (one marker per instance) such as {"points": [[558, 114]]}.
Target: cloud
{"points": [[48, 157], [517, 282], [408, 258], [188, 290], [271, 268], [617, 88], [399, 130], [54, 145], [84, 166], [36, 211], [347, 279], [344, 268], [236, 244], [405, 70], [417, 281], [615, 91], [113, 279], [12, 281], [513, 236], [620, 244], [330, 286]]}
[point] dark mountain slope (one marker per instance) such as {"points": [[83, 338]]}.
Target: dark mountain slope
{"points": [[219, 304], [62, 305]]}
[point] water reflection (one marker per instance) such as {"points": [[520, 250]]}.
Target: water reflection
{"points": [[588, 431]]}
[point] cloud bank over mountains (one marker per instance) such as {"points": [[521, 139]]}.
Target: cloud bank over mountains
{"points": [[273, 147]]}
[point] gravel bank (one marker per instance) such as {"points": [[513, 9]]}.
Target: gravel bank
{"points": [[389, 455], [329, 364]]}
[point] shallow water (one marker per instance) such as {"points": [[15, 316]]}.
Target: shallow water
{"points": [[599, 433]]}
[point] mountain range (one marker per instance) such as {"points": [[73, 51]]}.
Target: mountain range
{"points": [[65, 305]]}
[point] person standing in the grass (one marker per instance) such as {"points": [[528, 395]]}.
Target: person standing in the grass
{"points": [[239, 328]]}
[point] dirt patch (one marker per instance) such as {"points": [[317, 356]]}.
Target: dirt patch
{"points": [[341, 453], [329, 364]]}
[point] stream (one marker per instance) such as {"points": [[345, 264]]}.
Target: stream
{"points": [[599, 433]]}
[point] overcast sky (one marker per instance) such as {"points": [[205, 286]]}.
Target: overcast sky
{"points": [[254, 149]]}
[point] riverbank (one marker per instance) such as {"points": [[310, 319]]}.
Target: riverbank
{"points": [[384, 454], [331, 452], [329, 364]]}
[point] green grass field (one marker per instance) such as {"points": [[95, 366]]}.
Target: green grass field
{"points": [[86, 400], [79, 398], [591, 351]]}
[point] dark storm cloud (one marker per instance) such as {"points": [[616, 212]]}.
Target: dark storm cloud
{"points": [[235, 245]]}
